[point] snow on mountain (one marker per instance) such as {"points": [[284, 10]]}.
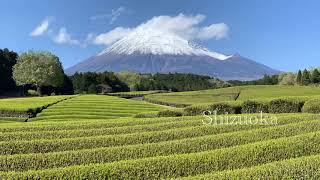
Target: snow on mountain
{"points": [[150, 41], [157, 51]]}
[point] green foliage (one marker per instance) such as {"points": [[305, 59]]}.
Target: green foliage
{"points": [[188, 164], [266, 80], [132, 79], [89, 107], [218, 108], [190, 145], [30, 103], [225, 108], [170, 113], [296, 168], [182, 99], [92, 89], [146, 115], [251, 106], [312, 106], [287, 79], [177, 82], [196, 110], [91, 82], [315, 76], [285, 106], [38, 68], [7, 61], [32, 92], [305, 79], [299, 78]]}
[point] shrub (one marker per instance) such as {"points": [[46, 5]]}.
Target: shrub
{"points": [[170, 113], [225, 108], [190, 145], [195, 110], [164, 167], [312, 106], [32, 92], [254, 107], [146, 115], [306, 167], [219, 107], [285, 106]]}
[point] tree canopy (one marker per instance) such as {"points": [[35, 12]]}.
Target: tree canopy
{"points": [[7, 61], [39, 68]]}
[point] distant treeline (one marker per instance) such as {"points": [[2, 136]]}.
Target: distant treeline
{"points": [[266, 80], [302, 78], [131, 81]]}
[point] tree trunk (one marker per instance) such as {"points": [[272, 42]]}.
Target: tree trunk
{"points": [[39, 91]]}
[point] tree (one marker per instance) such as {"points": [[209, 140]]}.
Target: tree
{"points": [[299, 78], [305, 80], [92, 89], [39, 68], [287, 79], [130, 78], [315, 76], [7, 61]]}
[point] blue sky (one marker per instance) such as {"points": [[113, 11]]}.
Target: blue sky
{"points": [[283, 34]]}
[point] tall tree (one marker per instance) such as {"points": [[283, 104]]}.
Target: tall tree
{"points": [[305, 80], [299, 78], [7, 61], [39, 68], [315, 76]]}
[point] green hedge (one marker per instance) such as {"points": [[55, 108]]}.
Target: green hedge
{"points": [[236, 157], [285, 106], [254, 107], [60, 159], [219, 108], [90, 124], [146, 115], [311, 106], [279, 105], [51, 145], [170, 113], [19, 136], [295, 168]]}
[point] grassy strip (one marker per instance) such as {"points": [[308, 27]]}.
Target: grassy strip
{"points": [[187, 164], [103, 155]]}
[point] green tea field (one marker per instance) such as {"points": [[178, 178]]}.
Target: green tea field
{"points": [[101, 137], [238, 93]]}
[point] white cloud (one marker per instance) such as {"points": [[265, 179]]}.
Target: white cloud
{"points": [[111, 36], [216, 31], [185, 26], [63, 37], [113, 16], [42, 28]]}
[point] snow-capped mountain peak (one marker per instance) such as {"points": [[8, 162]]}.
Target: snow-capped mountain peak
{"points": [[146, 50], [150, 41]]}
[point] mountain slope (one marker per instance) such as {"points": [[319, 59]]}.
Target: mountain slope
{"points": [[151, 52]]}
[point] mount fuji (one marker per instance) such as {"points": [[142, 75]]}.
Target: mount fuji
{"points": [[151, 51]]}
